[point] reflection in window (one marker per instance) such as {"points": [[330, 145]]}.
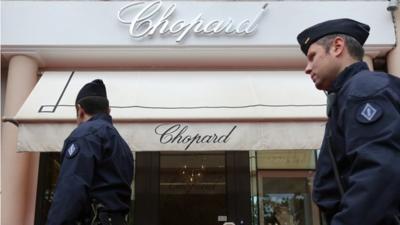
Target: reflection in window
{"points": [[285, 201], [281, 183]]}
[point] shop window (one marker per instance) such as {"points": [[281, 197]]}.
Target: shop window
{"points": [[49, 168], [284, 201], [281, 187]]}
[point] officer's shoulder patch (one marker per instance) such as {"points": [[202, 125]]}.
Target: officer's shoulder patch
{"points": [[72, 151], [369, 112]]}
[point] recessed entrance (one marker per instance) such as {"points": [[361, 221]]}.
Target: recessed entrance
{"points": [[192, 188], [197, 188]]}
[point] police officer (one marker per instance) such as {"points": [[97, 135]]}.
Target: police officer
{"points": [[96, 167], [357, 181]]}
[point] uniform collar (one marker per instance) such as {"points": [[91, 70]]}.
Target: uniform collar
{"points": [[347, 74], [101, 116]]}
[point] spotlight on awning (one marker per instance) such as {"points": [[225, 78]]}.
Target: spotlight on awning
{"points": [[393, 5]]}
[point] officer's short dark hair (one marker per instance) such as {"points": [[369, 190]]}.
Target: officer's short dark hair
{"points": [[354, 47], [94, 104]]}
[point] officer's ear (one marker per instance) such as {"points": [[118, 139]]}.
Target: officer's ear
{"points": [[80, 114], [338, 46]]}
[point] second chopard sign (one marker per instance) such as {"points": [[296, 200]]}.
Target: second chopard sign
{"points": [[179, 134], [148, 19]]}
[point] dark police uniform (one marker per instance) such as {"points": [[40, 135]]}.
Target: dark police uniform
{"points": [[365, 136], [95, 176], [363, 132]]}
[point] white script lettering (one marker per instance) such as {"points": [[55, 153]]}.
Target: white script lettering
{"points": [[142, 25]]}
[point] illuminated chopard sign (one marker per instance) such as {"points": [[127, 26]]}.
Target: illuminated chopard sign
{"points": [[152, 18]]}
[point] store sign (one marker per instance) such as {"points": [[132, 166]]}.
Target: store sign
{"points": [[153, 18], [191, 136], [180, 134]]}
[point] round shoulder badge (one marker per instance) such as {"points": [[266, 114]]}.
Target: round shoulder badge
{"points": [[368, 113], [72, 151]]}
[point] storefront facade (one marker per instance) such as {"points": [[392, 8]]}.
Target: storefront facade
{"points": [[213, 100]]}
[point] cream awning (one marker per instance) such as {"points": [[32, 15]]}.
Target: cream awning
{"points": [[210, 110]]}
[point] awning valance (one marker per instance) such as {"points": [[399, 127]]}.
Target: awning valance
{"points": [[210, 110]]}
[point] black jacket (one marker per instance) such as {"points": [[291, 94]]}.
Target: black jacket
{"points": [[96, 163], [365, 126]]}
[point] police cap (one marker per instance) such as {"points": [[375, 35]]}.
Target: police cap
{"points": [[350, 27], [95, 88]]}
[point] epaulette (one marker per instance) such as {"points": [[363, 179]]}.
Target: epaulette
{"points": [[366, 83]]}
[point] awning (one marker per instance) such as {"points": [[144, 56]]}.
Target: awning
{"points": [[182, 110]]}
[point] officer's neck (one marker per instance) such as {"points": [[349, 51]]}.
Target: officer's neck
{"points": [[346, 62], [83, 118]]}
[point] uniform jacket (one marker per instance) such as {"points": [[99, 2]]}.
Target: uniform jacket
{"points": [[365, 126], [96, 163]]}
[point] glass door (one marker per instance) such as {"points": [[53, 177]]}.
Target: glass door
{"points": [[192, 189], [196, 188]]}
